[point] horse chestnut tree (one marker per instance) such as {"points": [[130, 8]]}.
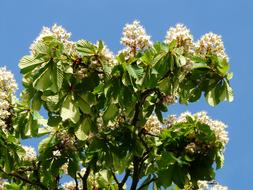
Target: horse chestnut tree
{"points": [[100, 115]]}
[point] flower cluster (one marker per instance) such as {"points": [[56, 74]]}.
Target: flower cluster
{"points": [[217, 127], [135, 37], [153, 125], [203, 185], [59, 33], [30, 154], [107, 54], [8, 87], [65, 139], [69, 185], [211, 43], [182, 35]]}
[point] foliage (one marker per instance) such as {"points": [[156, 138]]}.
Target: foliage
{"points": [[105, 113]]}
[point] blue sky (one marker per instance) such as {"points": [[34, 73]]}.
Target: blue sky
{"points": [[21, 21]]}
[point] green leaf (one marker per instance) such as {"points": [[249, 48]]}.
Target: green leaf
{"points": [[86, 48], [84, 129], [74, 163], [229, 76], [138, 148], [229, 92], [36, 102], [182, 60], [100, 45], [28, 63], [166, 159], [59, 75], [134, 71], [200, 65], [56, 165], [172, 44], [110, 113], [54, 120], [179, 176], [165, 177], [84, 106], [33, 125], [12, 186], [158, 111], [44, 81], [219, 160], [165, 85], [222, 66], [147, 57], [211, 97], [69, 110], [44, 144], [8, 161]]}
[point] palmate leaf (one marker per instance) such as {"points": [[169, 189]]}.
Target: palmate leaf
{"points": [[84, 129], [220, 92], [134, 71], [59, 75], [28, 63], [229, 92], [86, 48], [110, 112], [69, 110], [44, 81]]}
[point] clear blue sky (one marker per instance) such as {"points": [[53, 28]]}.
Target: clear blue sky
{"points": [[21, 21]]}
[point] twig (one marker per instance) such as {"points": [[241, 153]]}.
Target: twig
{"points": [[115, 178], [25, 180], [85, 177], [124, 179], [76, 182], [147, 183]]}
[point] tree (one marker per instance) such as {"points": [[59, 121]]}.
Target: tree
{"points": [[103, 121]]}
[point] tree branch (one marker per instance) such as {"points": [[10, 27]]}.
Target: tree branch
{"points": [[17, 176], [139, 104], [115, 178], [76, 182], [136, 172], [85, 177], [147, 183], [124, 179]]}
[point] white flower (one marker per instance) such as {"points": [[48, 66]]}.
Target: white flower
{"points": [[219, 187], [8, 86], [153, 125], [202, 184], [211, 43], [30, 154], [108, 55], [66, 139], [135, 37], [191, 148], [182, 35], [171, 120], [59, 33], [7, 81], [183, 117], [64, 168], [218, 127], [69, 185]]}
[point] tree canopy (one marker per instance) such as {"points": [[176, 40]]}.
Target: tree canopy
{"points": [[101, 115]]}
